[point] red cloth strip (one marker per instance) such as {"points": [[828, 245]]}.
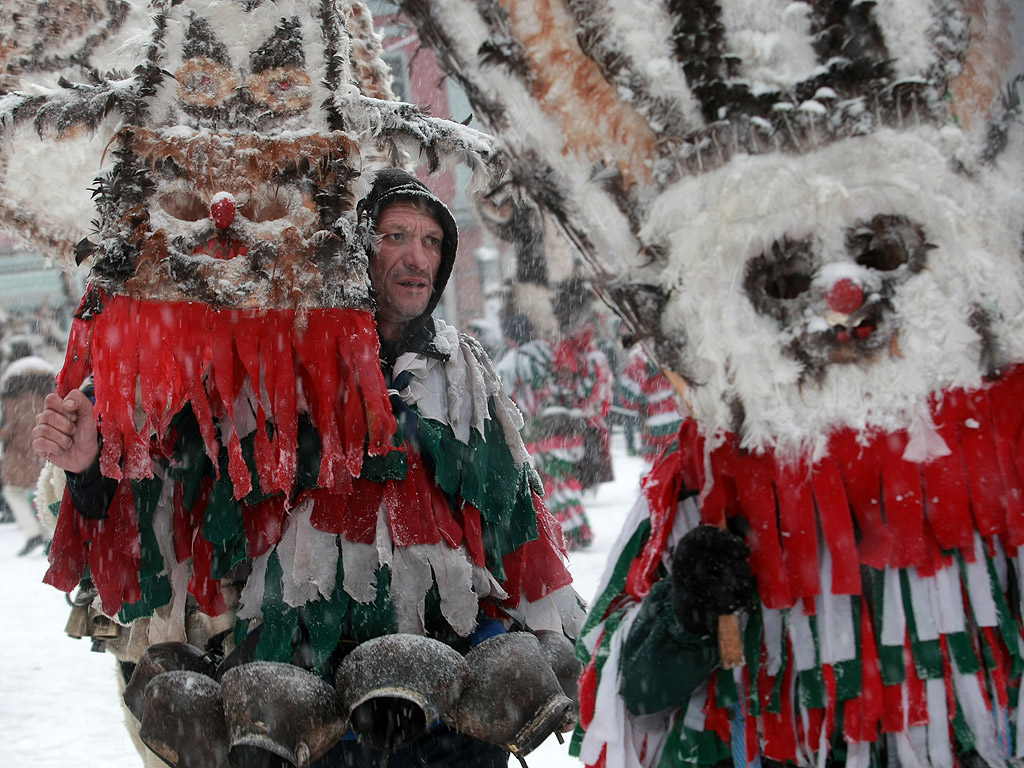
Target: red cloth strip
{"points": [[798, 527], [755, 491], [68, 555], [716, 718], [981, 458], [834, 509], [115, 551], [222, 350], [862, 477], [661, 488], [779, 733], [903, 499], [264, 523], [917, 702]]}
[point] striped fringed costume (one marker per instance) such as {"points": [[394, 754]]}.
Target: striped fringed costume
{"points": [[647, 391], [889, 624], [553, 432]]}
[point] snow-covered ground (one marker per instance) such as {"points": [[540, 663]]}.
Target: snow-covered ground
{"points": [[59, 702]]}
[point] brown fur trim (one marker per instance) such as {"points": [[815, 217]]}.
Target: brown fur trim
{"points": [[250, 156]]}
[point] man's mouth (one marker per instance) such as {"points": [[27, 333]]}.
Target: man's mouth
{"points": [[414, 283]]}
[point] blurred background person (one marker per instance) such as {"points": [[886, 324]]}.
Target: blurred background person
{"points": [[25, 382], [643, 388]]}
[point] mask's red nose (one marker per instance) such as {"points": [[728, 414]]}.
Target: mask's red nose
{"points": [[845, 296], [222, 210]]}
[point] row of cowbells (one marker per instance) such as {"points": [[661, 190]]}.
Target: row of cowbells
{"points": [[512, 690]]}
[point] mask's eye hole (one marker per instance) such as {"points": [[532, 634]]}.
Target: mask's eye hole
{"points": [[888, 242], [780, 275], [282, 89], [184, 206], [203, 82], [258, 208], [787, 286]]}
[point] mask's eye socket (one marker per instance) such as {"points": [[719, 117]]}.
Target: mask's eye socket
{"points": [[184, 206], [888, 242], [261, 207], [281, 89], [780, 276], [783, 285], [202, 82]]}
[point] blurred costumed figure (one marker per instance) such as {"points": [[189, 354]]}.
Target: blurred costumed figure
{"points": [[812, 214], [643, 388], [24, 383], [561, 385], [266, 502]]}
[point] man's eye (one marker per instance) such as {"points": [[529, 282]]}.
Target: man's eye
{"points": [[433, 242], [396, 237]]}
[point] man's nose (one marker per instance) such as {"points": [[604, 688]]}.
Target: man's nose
{"points": [[416, 254]]}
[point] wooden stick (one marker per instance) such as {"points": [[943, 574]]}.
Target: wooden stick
{"points": [[730, 643]]}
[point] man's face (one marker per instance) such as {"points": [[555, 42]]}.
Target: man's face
{"points": [[403, 269]]}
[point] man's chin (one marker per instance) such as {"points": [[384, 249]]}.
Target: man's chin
{"points": [[402, 313]]}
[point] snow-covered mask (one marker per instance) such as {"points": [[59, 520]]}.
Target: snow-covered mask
{"points": [[845, 285], [843, 250], [240, 220], [232, 185]]}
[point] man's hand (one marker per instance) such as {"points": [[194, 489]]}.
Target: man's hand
{"points": [[65, 432]]}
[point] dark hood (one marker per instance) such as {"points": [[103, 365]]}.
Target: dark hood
{"points": [[392, 185]]}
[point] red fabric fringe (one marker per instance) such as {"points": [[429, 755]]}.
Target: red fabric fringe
{"points": [[178, 353], [928, 507], [160, 356]]}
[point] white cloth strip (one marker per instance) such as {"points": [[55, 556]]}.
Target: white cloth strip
{"points": [[836, 635], [802, 638], [894, 621], [923, 601], [608, 728], [979, 587], [940, 750]]}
